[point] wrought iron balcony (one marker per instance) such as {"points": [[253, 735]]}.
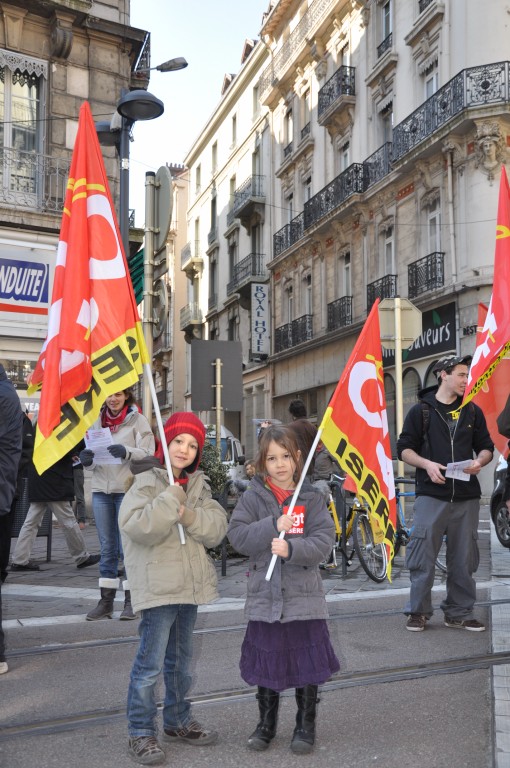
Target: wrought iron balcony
{"points": [[32, 180], [247, 196], [212, 236], [384, 288], [385, 45], [190, 316], [213, 301], [340, 313], [422, 4], [287, 151], [305, 131], [289, 234], [162, 342], [299, 37], [291, 334], [425, 274], [473, 87], [349, 182], [230, 217], [190, 256], [246, 271], [378, 165], [332, 94]]}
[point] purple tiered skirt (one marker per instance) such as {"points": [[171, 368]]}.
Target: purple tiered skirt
{"points": [[290, 655]]}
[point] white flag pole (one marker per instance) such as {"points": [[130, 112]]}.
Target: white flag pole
{"points": [[148, 374], [294, 498]]}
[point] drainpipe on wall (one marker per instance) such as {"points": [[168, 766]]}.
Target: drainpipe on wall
{"points": [[451, 226]]}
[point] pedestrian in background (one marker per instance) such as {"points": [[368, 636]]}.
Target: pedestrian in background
{"points": [[132, 439], [168, 581], [11, 425], [80, 509], [304, 431], [435, 434], [287, 643], [53, 490]]}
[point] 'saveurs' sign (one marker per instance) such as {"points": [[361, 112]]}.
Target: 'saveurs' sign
{"points": [[260, 338], [24, 286]]}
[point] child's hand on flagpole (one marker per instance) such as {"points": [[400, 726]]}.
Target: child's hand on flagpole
{"points": [[280, 548], [284, 523]]}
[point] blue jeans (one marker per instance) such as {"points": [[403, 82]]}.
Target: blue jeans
{"points": [[106, 514], [166, 643]]}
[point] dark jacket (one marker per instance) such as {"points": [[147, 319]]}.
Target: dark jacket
{"points": [[55, 484], [470, 437], [11, 421], [27, 448], [295, 591]]}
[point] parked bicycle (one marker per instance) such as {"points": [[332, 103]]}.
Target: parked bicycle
{"points": [[403, 529], [361, 534]]}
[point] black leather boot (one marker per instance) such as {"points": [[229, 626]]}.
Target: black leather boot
{"points": [[265, 731], [127, 612], [104, 608], [304, 732]]}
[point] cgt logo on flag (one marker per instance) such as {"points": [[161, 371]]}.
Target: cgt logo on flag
{"points": [[95, 344]]}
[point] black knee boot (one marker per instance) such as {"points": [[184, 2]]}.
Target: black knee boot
{"points": [[304, 732], [265, 731]]}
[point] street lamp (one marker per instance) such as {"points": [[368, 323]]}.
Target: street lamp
{"points": [[132, 106]]}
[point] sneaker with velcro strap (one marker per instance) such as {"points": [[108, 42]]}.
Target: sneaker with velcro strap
{"points": [[193, 733], [416, 622], [472, 625], [146, 750]]}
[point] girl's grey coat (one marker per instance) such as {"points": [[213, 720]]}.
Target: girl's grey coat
{"points": [[295, 591], [162, 571]]}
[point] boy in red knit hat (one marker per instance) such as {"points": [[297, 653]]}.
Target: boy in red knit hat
{"points": [[168, 581]]}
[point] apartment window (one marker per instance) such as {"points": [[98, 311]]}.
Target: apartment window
{"points": [[214, 157], [385, 20], [288, 131], [434, 227], [290, 208], [431, 80], [21, 118], [232, 329], [232, 256], [346, 275], [196, 252], [256, 238], [307, 189], [345, 156], [256, 103], [290, 304], [386, 123], [388, 251], [308, 296], [345, 57], [234, 130], [198, 179], [232, 190], [305, 108], [213, 277]]}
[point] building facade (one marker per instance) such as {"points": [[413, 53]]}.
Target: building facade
{"points": [[383, 127], [53, 56]]}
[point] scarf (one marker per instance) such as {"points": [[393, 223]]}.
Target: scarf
{"points": [[113, 422], [281, 494]]}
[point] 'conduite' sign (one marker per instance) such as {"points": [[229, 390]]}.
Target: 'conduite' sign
{"points": [[24, 286]]}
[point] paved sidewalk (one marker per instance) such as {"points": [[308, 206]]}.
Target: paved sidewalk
{"points": [[62, 594]]}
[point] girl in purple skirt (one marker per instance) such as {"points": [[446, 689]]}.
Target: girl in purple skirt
{"points": [[287, 643]]}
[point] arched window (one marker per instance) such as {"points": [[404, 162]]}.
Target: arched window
{"points": [[411, 385]]}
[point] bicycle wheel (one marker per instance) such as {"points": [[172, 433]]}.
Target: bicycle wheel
{"points": [[372, 556], [441, 558]]}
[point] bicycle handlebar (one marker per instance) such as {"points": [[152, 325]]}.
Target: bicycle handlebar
{"points": [[404, 480]]}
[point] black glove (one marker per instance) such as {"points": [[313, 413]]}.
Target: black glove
{"points": [[86, 457], [117, 451]]}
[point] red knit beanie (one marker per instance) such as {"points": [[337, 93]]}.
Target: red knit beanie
{"points": [[178, 424]]}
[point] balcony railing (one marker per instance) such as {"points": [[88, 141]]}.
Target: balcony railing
{"points": [[32, 180], [230, 217], [289, 234], [340, 84], [346, 184], [473, 87], [252, 188], [422, 4], [305, 131], [191, 314], [213, 301], [301, 34], [212, 236], [287, 151], [385, 45], [190, 252], [291, 334], [425, 274], [384, 288], [340, 313], [250, 268], [378, 165], [162, 342]]}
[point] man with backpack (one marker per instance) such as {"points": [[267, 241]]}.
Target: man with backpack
{"points": [[436, 433]]}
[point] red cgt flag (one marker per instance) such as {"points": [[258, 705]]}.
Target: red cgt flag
{"points": [[493, 342], [493, 394], [355, 430], [95, 344]]}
